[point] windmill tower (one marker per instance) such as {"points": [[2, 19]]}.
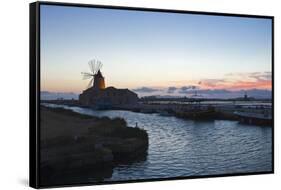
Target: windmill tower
{"points": [[97, 80]]}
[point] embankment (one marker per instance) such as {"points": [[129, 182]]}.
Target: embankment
{"points": [[77, 148]]}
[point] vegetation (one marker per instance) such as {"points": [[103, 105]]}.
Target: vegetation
{"points": [[77, 146]]}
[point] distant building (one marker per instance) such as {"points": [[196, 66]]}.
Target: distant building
{"points": [[245, 96], [99, 96]]}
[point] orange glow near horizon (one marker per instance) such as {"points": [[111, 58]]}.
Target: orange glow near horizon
{"points": [[240, 85], [211, 84], [153, 51]]}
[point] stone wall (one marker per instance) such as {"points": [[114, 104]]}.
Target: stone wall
{"points": [[109, 96]]}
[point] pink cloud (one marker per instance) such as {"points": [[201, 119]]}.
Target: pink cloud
{"points": [[239, 81]]}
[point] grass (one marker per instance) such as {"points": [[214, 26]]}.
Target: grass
{"points": [[79, 144], [105, 126], [69, 113]]}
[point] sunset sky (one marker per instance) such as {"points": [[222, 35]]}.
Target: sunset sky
{"points": [[149, 50]]}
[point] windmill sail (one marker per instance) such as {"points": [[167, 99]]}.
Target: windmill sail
{"points": [[95, 66]]}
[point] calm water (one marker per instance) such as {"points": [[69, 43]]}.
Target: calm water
{"points": [[180, 147]]}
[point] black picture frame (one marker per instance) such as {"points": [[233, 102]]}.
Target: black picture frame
{"points": [[34, 93]]}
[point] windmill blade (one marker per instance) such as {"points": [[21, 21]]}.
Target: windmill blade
{"points": [[90, 83], [95, 67], [99, 65], [85, 77], [91, 65], [87, 74]]}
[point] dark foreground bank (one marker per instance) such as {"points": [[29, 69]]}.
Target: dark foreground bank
{"points": [[77, 148]]}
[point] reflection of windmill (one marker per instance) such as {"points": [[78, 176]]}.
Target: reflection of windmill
{"points": [[97, 80]]}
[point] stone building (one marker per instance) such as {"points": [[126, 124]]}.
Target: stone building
{"points": [[101, 97]]}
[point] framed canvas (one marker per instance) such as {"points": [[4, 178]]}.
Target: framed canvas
{"points": [[127, 94]]}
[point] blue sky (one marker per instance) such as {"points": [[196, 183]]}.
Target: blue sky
{"points": [[150, 49]]}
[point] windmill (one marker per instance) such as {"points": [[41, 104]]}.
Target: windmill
{"points": [[97, 80]]}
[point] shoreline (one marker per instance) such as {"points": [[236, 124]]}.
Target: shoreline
{"points": [[75, 147], [194, 111]]}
